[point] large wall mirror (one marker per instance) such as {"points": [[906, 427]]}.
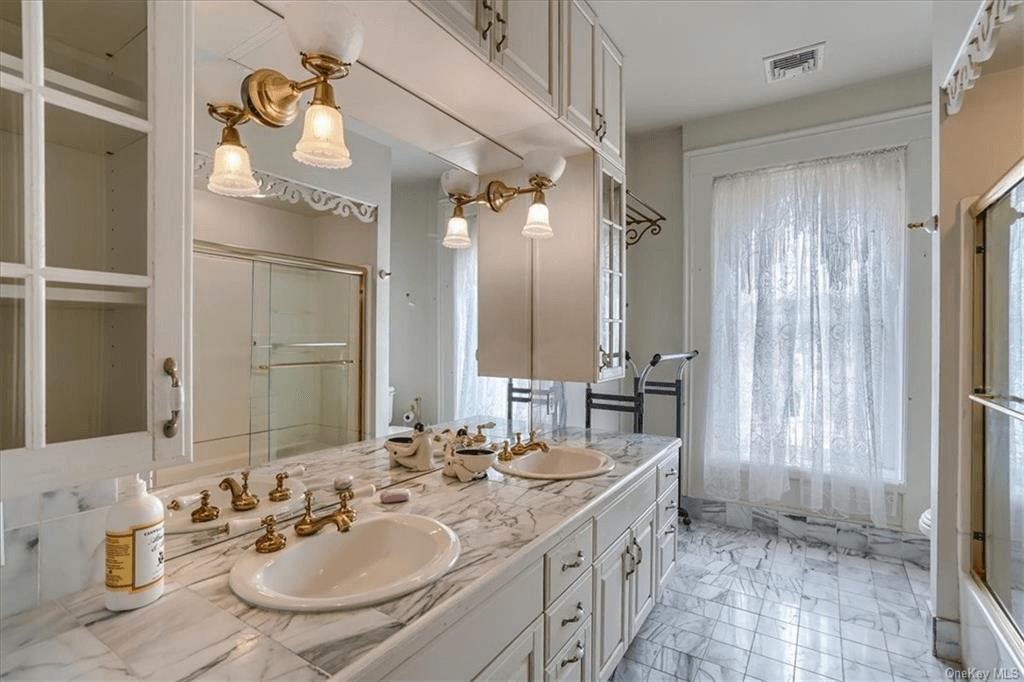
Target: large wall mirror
{"points": [[326, 311]]}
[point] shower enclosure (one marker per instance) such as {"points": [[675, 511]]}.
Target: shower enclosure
{"points": [[302, 322]]}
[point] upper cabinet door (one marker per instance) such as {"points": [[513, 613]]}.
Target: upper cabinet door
{"points": [[525, 46], [579, 45], [471, 21], [95, 294], [611, 119]]}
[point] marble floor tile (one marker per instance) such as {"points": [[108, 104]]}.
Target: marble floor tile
{"points": [[769, 669], [630, 671], [732, 635], [787, 613], [907, 647], [863, 635], [738, 617], [921, 668], [726, 656], [740, 601], [865, 655], [774, 648], [711, 672], [820, 641], [643, 651], [855, 672], [821, 664], [777, 629], [819, 623]]}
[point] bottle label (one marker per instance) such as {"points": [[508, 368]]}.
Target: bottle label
{"points": [[135, 559]]}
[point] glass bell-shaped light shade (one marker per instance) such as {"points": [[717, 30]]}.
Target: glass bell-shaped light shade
{"points": [[323, 139], [538, 225], [232, 171], [457, 235]]}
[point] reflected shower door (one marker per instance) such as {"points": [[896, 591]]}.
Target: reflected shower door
{"points": [[307, 360]]}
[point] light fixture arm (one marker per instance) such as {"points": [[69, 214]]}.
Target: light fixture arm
{"points": [[271, 98], [497, 195]]}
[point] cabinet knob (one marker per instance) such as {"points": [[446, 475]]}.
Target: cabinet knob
{"points": [[575, 564]]}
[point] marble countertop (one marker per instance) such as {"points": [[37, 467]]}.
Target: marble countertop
{"points": [[200, 630]]}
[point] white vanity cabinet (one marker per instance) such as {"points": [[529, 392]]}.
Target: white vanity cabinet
{"points": [[96, 242], [592, 94], [519, 39], [624, 574], [521, 660], [555, 308]]}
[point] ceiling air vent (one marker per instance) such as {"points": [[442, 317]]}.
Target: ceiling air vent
{"points": [[794, 62]]}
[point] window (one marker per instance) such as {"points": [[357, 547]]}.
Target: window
{"points": [[806, 364]]}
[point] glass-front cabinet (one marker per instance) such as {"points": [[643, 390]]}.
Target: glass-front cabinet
{"points": [[998, 397], [96, 224], [611, 273]]}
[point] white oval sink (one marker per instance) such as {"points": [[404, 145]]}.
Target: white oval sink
{"points": [[382, 557], [558, 462]]}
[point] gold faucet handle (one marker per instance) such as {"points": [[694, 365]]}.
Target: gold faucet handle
{"points": [[519, 437], [533, 435], [272, 541], [245, 483], [309, 503], [480, 428], [205, 511], [345, 496], [505, 455], [280, 493]]}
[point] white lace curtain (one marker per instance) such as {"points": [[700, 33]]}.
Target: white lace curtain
{"points": [[474, 395], [806, 364]]}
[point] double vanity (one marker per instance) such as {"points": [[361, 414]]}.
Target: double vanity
{"points": [[504, 577]]}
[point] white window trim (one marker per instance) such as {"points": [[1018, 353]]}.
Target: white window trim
{"points": [[700, 166]]}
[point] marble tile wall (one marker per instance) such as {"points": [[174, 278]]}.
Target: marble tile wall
{"points": [[845, 537], [53, 544]]}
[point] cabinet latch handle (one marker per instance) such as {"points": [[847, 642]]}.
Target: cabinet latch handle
{"points": [[504, 32], [580, 651], [670, 530], [177, 398], [580, 611], [639, 552], [632, 561], [671, 472], [575, 564]]}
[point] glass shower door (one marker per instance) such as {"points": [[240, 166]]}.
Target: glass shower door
{"points": [[307, 360]]}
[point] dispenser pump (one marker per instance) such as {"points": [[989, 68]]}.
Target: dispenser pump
{"points": [[135, 548]]}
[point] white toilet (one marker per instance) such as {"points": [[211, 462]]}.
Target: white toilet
{"points": [[391, 428], [924, 522]]}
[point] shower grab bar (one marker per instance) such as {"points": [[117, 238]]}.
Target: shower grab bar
{"points": [[324, 363], [311, 344]]}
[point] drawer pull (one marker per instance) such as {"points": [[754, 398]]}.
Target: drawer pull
{"points": [[670, 530], [671, 472], [578, 617], [670, 507], [639, 553], [580, 650], [632, 561], [575, 564]]}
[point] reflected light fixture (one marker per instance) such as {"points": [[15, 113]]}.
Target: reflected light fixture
{"points": [[232, 171], [543, 168]]}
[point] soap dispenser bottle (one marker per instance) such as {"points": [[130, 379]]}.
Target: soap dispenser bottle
{"points": [[135, 548]]}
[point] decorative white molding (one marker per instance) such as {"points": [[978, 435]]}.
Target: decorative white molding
{"points": [[294, 192], [978, 47]]}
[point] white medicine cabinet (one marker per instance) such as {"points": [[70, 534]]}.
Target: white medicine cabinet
{"points": [[95, 301]]}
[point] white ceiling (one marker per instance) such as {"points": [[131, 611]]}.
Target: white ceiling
{"points": [[691, 59]]}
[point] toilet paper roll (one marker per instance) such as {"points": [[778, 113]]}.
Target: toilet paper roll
{"points": [[409, 417]]}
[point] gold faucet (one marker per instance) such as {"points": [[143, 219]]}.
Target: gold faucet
{"points": [[480, 437], [520, 448], [505, 455], [241, 498], [280, 493], [205, 511], [342, 517], [272, 541]]}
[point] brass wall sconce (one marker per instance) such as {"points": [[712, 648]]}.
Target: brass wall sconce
{"points": [[543, 169], [272, 99]]}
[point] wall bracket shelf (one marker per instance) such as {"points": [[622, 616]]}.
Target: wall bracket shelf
{"points": [[639, 213]]}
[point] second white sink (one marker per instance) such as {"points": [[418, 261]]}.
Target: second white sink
{"points": [[382, 557], [558, 462]]}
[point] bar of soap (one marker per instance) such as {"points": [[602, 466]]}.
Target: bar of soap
{"points": [[395, 496]]}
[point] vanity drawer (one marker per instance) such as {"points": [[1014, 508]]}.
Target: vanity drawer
{"points": [[568, 561], [668, 506], [624, 511], [566, 615], [572, 663], [668, 471]]}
